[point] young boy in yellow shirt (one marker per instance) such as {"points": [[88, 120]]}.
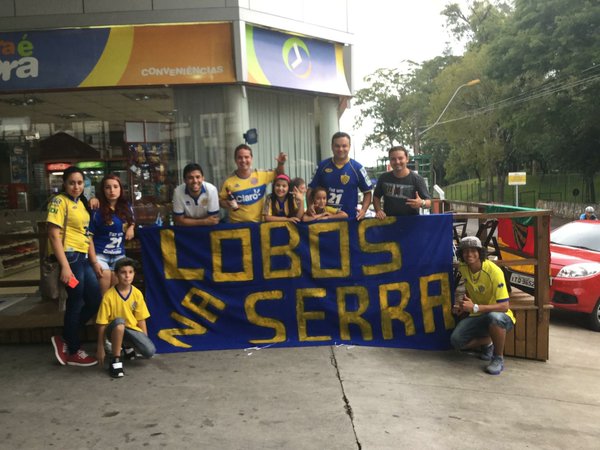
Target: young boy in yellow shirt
{"points": [[122, 317]]}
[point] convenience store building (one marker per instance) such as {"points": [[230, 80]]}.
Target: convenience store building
{"points": [[147, 86], [142, 87]]}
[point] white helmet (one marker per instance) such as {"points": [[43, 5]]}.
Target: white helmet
{"points": [[589, 209]]}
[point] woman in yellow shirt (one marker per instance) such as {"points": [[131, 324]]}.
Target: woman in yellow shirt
{"points": [[71, 244]]}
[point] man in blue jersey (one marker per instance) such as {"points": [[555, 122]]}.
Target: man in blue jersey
{"points": [[342, 177]]}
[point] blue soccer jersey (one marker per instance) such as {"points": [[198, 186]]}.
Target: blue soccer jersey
{"points": [[342, 183], [108, 239]]}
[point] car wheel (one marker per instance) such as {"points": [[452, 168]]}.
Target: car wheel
{"points": [[594, 318]]}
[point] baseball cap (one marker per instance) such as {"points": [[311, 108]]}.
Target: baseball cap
{"points": [[470, 242]]}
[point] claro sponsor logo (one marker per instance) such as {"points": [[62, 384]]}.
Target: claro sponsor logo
{"points": [[16, 59], [250, 197], [178, 71]]}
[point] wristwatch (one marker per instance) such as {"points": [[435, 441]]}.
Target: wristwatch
{"points": [[423, 203], [475, 308]]}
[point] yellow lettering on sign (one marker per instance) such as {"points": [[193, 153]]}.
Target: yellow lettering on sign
{"points": [[314, 232], [194, 328], [429, 302], [241, 234], [303, 316], [348, 317], [267, 322], [200, 308], [268, 251], [389, 313], [382, 247], [169, 256]]}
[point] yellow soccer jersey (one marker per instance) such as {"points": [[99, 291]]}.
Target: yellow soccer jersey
{"points": [[131, 308], [282, 209], [77, 238], [249, 194], [486, 287], [329, 209]]}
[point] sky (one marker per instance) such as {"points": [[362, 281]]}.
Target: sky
{"points": [[387, 33]]}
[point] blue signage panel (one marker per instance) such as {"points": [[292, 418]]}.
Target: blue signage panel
{"points": [[298, 62], [49, 59]]}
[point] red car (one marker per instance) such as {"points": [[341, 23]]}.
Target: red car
{"points": [[574, 270]]}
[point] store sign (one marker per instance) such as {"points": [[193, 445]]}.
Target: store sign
{"points": [[373, 282], [116, 56], [90, 165], [285, 60], [517, 178], [51, 167]]}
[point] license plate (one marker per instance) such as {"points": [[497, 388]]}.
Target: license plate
{"points": [[522, 280]]}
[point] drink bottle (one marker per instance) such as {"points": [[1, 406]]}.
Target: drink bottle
{"points": [[232, 201]]}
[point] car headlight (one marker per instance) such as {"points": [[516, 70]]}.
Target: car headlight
{"points": [[579, 270]]}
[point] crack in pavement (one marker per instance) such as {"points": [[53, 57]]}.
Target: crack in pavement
{"points": [[347, 406]]}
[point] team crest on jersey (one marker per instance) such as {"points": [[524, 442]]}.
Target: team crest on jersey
{"points": [[204, 201], [328, 170], [344, 179], [253, 180]]}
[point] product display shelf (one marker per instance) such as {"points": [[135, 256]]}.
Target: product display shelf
{"points": [[17, 254]]}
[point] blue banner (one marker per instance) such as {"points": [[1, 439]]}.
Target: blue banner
{"points": [[373, 282]]}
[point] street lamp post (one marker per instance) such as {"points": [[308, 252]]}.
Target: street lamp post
{"points": [[470, 83]]}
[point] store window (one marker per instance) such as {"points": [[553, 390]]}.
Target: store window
{"points": [[144, 135], [285, 122]]}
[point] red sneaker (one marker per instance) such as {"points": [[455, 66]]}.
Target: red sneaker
{"points": [[60, 349], [81, 358]]}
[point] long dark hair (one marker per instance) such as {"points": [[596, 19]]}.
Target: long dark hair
{"points": [[289, 197], [122, 209], [313, 194]]}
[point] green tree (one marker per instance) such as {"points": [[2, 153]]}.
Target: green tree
{"points": [[549, 54], [481, 144], [479, 24], [396, 105]]}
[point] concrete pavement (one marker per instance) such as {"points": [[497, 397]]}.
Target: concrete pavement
{"points": [[307, 398]]}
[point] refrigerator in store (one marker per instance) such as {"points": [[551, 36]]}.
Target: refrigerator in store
{"points": [[93, 172], [54, 173]]}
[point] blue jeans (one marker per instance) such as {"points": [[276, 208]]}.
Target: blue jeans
{"points": [[83, 300], [139, 340], [478, 326]]}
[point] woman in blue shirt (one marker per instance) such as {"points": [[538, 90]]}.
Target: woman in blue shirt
{"points": [[111, 224]]}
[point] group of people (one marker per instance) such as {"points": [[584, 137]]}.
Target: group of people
{"points": [[89, 246], [89, 243], [331, 194]]}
